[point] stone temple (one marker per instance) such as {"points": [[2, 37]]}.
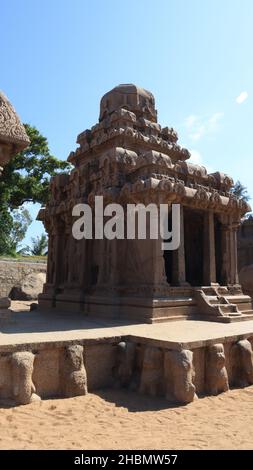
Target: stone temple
{"points": [[127, 157], [107, 313]]}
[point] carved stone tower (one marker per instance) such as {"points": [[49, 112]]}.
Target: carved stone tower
{"points": [[127, 157]]}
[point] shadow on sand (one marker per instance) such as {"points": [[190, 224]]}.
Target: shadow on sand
{"points": [[134, 402]]}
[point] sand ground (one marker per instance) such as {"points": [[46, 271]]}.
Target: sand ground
{"points": [[120, 420], [113, 419]]}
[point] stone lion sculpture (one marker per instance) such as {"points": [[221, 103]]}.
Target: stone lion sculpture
{"points": [[124, 369], [22, 370], [179, 375], [216, 372], [75, 378], [245, 369], [152, 371]]}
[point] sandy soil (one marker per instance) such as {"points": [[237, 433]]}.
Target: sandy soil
{"points": [[121, 420]]}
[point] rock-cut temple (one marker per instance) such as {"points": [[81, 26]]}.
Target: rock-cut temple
{"points": [[127, 157]]}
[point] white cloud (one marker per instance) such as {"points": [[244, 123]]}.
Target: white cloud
{"points": [[195, 157], [191, 120], [242, 97], [198, 126]]}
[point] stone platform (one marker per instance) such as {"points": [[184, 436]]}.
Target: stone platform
{"points": [[50, 354]]}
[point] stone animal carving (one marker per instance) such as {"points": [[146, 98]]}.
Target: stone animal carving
{"points": [[125, 363], [75, 379], [179, 369], [22, 370], [245, 370], [216, 373], [152, 371]]}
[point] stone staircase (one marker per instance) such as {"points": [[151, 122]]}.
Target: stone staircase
{"points": [[223, 304]]}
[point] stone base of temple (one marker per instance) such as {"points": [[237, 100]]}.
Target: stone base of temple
{"points": [[71, 355], [213, 303], [5, 312], [5, 315]]}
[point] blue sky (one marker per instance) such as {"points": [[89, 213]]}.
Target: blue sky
{"points": [[58, 57]]}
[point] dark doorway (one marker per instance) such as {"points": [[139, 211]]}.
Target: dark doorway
{"points": [[193, 243], [218, 250], [167, 254]]}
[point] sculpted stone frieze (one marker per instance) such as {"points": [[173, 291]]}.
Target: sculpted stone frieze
{"points": [[13, 137]]}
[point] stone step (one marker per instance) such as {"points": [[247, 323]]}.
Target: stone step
{"points": [[209, 291], [238, 299], [167, 318], [247, 312], [243, 307], [222, 290], [212, 299], [229, 308], [241, 318], [225, 319]]}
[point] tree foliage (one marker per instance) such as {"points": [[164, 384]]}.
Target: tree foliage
{"points": [[240, 191], [38, 248], [25, 179]]}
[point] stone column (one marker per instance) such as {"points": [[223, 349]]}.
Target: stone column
{"points": [[178, 256], [158, 263], [226, 258], [233, 253], [229, 251], [209, 271], [50, 259]]}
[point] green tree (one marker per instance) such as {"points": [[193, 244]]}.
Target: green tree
{"points": [[21, 220], [39, 245], [26, 179], [240, 191]]}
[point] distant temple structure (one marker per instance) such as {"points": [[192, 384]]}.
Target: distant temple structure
{"points": [[245, 243], [13, 139], [127, 157]]}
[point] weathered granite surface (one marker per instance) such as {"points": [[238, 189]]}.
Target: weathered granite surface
{"points": [[14, 274], [70, 355]]}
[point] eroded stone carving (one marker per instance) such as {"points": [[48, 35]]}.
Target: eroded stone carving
{"points": [[244, 352], [11, 129], [75, 379], [216, 373], [22, 370], [179, 372], [152, 371], [124, 369]]}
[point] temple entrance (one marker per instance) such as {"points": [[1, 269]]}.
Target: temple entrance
{"points": [[168, 258], [218, 251], [193, 243]]}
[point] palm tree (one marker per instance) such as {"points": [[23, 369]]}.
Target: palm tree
{"points": [[240, 191], [39, 245]]}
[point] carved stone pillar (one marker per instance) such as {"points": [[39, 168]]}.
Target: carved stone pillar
{"points": [[233, 250], [50, 259], [60, 253], [225, 249], [229, 250], [178, 256], [209, 271], [158, 263]]}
